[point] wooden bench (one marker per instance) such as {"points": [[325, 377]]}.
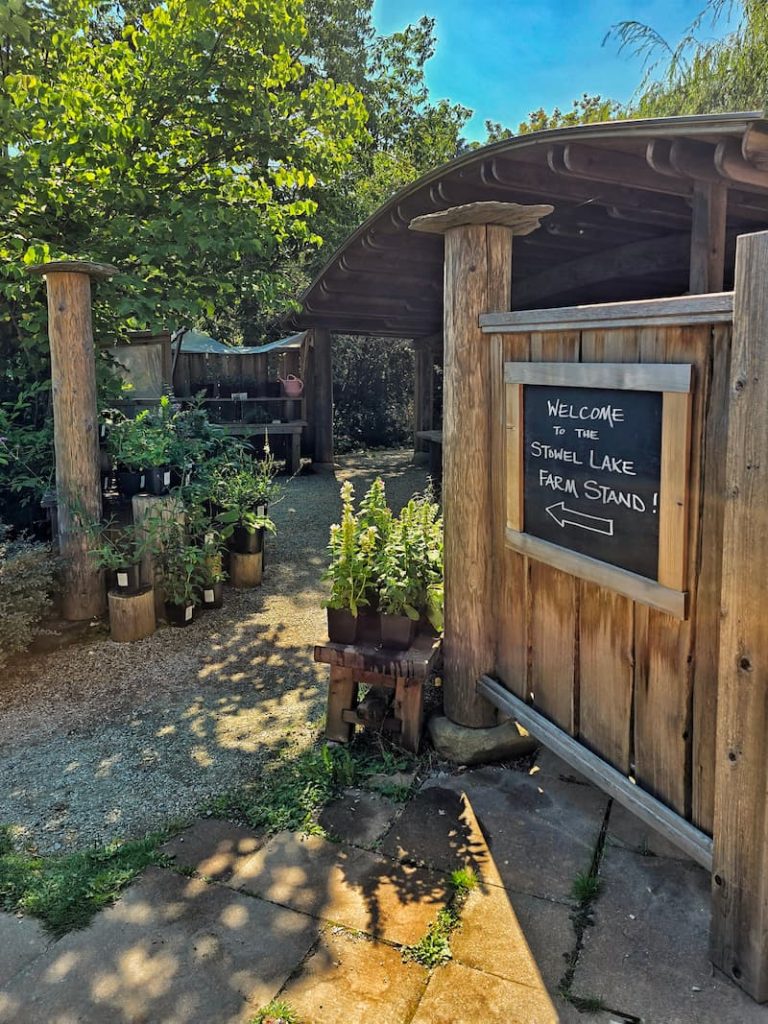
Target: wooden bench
{"points": [[435, 440], [403, 671]]}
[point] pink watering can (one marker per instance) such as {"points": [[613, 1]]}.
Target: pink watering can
{"points": [[292, 386]]}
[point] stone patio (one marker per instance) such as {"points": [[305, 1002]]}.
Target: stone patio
{"points": [[321, 922]]}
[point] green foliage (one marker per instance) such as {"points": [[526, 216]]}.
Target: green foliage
{"points": [[700, 74], [585, 888], [409, 573], [372, 392], [352, 549], [276, 1012], [64, 892], [112, 546], [26, 579], [181, 560], [434, 948]]}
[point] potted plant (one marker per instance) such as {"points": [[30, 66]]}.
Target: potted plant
{"points": [[242, 493], [125, 449], [211, 573], [374, 514], [398, 589], [180, 562], [119, 550], [349, 571]]}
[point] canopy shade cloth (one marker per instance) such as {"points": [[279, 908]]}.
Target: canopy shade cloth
{"points": [[196, 343], [633, 202]]}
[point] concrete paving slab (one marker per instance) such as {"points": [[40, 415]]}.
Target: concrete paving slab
{"points": [[344, 885], [627, 831], [520, 938], [213, 848], [355, 979], [173, 950], [359, 817], [647, 951], [540, 832], [459, 995], [22, 940]]}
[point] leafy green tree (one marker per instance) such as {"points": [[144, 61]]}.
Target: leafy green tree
{"points": [[702, 75]]}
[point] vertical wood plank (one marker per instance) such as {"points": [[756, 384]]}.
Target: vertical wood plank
{"points": [[739, 936], [664, 677], [708, 218], [323, 398], [606, 624], [706, 646], [514, 453], [553, 596], [511, 576], [673, 490]]}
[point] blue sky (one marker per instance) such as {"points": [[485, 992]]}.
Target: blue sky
{"points": [[504, 59]]}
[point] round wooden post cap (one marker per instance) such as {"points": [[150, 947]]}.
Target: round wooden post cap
{"points": [[521, 219], [74, 267]]}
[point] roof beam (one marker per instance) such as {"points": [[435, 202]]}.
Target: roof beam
{"points": [[731, 164], [637, 259], [614, 168]]}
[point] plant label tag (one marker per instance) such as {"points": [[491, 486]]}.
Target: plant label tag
{"points": [[209, 538], [261, 511], [188, 613], [166, 479], [208, 596], [122, 579], [141, 482], [240, 395]]}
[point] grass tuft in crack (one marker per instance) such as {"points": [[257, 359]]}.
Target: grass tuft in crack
{"points": [[276, 1012], [434, 948], [65, 891], [585, 888]]}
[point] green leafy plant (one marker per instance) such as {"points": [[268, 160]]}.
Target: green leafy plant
{"points": [[352, 551], [211, 567], [181, 561], [276, 1012], [241, 486], [409, 571], [26, 580], [434, 948], [113, 546]]}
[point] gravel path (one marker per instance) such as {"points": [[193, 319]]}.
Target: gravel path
{"points": [[104, 740]]}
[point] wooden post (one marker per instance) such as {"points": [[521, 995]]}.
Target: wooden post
{"points": [[131, 616], [75, 428], [708, 237], [739, 937], [245, 570], [423, 381], [478, 279], [323, 398]]}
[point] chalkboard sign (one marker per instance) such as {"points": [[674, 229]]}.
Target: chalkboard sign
{"points": [[592, 470], [597, 473]]}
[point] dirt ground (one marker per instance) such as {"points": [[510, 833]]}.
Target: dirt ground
{"points": [[101, 740]]}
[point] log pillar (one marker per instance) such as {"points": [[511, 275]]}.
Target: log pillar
{"points": [[739, 935], [75, 428], [477, 279], [708, 216], [322, 399]]}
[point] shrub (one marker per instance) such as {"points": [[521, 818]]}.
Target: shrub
{"points": [[26, 575]]}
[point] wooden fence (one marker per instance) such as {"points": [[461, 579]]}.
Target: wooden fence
{"points": [[635, 684]]}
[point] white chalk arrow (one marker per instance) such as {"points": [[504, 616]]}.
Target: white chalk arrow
{"points": [[570, 517]]}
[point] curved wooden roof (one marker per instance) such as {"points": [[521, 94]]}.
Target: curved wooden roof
{"points": [[623, 194]]}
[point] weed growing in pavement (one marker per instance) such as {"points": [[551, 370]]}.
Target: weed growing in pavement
{"points": [[585, 887], [276, 1012], [65, 891], [434, 948]]}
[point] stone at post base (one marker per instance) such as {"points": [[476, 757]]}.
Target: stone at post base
{"points": [[463, 745]]}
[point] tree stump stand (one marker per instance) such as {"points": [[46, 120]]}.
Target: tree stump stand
{"points": [[245, 570], [131, 616], [403, 671]]}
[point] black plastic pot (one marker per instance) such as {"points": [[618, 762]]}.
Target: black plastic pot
{"points": [[179, 615], [342, 626], [130, 482], [213, 595], [244, 542], [397, 631], [158, 479], [127, 579], [368, 627]]}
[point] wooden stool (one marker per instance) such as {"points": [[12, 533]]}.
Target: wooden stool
{"points": [[403, 671]]}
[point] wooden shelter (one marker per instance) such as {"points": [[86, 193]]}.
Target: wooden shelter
{"points": [[605, 460]]}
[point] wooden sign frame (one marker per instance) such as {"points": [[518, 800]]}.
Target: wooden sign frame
{"points": [[675, 382]]}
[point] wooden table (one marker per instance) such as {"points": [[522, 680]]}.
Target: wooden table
{"points": [[403, 671], [294, 429]]}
